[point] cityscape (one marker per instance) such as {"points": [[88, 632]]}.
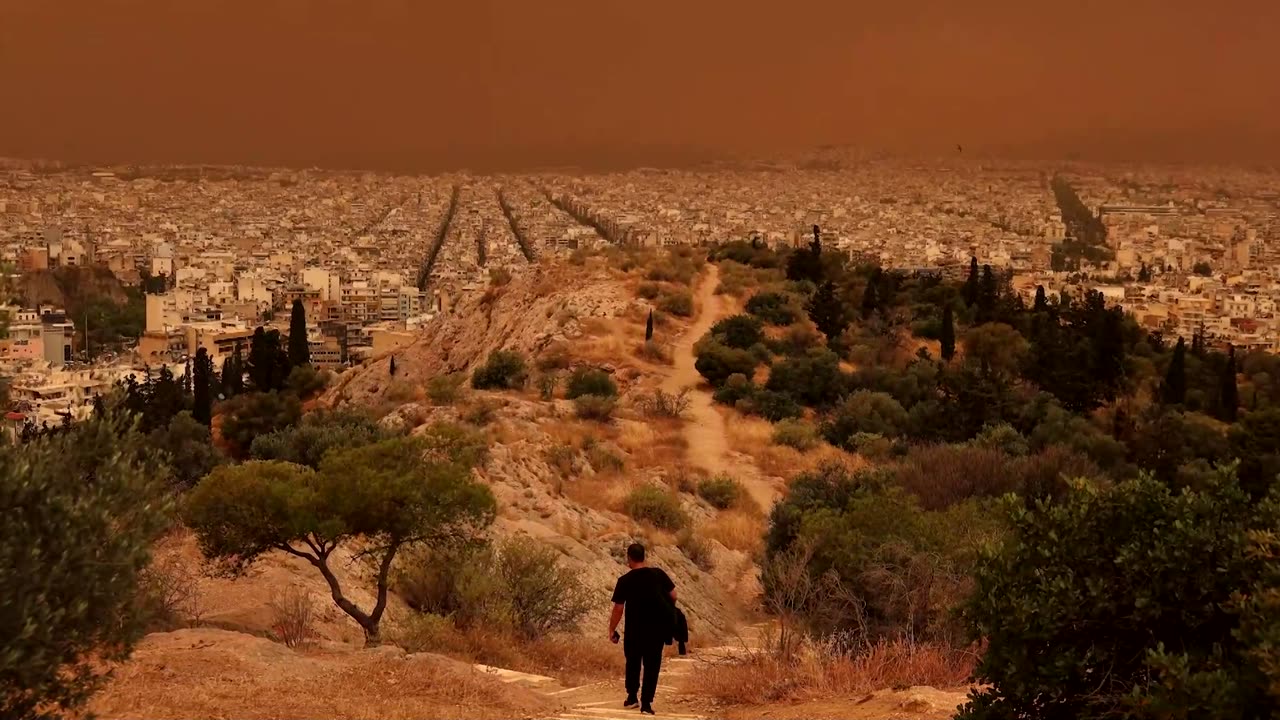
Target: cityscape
{"points": [[212, 253]]}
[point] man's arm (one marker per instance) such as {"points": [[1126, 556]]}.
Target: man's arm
{"points": [[614, 618]]}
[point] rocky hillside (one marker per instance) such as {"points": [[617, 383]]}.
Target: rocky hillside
{"points": [[548, 303]]}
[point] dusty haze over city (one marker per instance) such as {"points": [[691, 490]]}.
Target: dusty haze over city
{"points": [[506, 84]]}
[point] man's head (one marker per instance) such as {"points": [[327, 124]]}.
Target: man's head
{"points": [[635, 555]]}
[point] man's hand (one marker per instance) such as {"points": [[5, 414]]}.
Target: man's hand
{"points": [[613, 636]]}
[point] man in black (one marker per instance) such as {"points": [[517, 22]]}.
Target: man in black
{"points": [[647, 596]]}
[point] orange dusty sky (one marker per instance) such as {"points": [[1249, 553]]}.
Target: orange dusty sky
{"points": [[429, 84]]}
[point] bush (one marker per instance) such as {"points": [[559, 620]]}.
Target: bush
{"points": [[1002, 437], [657, 507], [738, 331], [293, 618], [1129, 601], [305, 381], [695, 549], [547, 383], [773, 308], [245, 417], [796, 434], [517, 585], [648, 290], [590, 381], [664, 404], [187, 448], [814, 379], [504, 370], [898, 570], [653, 351], [445, 389], [555, 357], [480, 413], [679, 304], [865, 412], [81, 510], [735, 389], [721, 492], [716, 362], [772, 406], [595, 407], [308, 442]]}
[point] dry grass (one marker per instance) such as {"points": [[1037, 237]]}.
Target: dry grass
{"points": [[737, 530], [754, 437], [821, 670], [218, 674], [571, 659], [657, 443]]}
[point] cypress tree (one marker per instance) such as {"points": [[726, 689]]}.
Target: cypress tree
{"points": [[988, 293], [1042, 301], [1174, 391], [827, 312], [299, 352], [648, 327], [260, 361], [235, 385], [186, 378], [948, 333], [971, 285], [1230, 392], [393, 366], [228, 372], [202, 407], [869, 301]]}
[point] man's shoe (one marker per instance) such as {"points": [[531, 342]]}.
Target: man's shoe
{"points": [[647, 709], [631, 702]]}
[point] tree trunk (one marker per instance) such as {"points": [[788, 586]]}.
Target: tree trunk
{"points": [[367, 622]]}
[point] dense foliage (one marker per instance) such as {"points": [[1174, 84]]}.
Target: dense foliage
{"points": [[81, 510]]}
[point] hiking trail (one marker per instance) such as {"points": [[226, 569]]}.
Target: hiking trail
{"points": [[704, 426]]}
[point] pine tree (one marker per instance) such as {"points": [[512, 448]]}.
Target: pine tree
{"points": [[202, 406], [393, 366], [648, 327], [299, 352], [827, 311], [1042, 300], [948, 339], [1230, 398], [1174, 391], [971, 285]]}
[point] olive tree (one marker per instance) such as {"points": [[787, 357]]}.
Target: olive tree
{"points": [[80, 510], [376, 499]]}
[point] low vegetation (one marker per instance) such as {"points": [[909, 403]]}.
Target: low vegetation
{"points": [[656, 506], [504, 370]]}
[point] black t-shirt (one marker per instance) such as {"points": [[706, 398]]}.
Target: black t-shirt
{"points": [[646, 593]]}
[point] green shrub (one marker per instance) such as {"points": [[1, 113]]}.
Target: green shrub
{"points": [[679, 304], [547, 383], [721, 492], [865, 412], [246, 417], [595, 407], [1128, 601], [318, 433], [81, 511], [813, 379], [658, 507], [735, 388], [445, 389], [796, 434], [770, 405], [738, 331], [773, 307], [305, 381], [505, 369], [648, 290], [590, 381], [1003, 437], [716, 362]]}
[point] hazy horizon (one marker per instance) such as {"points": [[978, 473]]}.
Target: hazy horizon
{"points": [[502, 84]]}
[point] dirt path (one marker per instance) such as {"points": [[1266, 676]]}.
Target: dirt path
{"points": [[705, 427]]}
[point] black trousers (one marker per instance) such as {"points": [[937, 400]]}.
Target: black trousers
{"points": [[648, 655]]}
